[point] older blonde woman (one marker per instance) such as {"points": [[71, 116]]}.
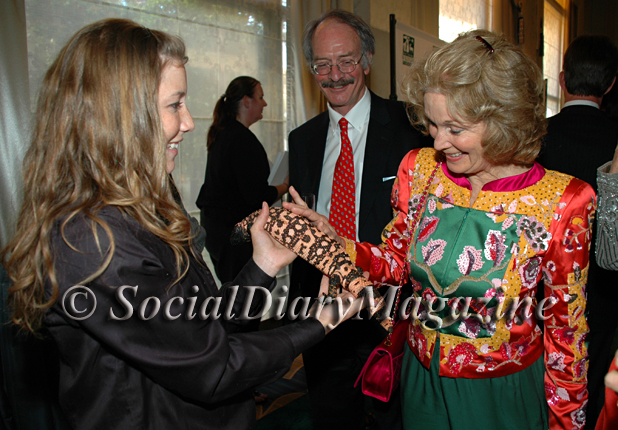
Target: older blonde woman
{"points": [[492, 225]]}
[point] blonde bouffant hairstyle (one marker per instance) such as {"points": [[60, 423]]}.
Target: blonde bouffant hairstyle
{"points": [[97, 141], [485, 79]]}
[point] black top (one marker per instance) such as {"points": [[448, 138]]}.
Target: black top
{"points": [[236, 179], [159, 373], [580, 139]]}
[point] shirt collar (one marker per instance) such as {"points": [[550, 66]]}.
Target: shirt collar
{"points": [[510, 183], [580, 103], [357, 116]]}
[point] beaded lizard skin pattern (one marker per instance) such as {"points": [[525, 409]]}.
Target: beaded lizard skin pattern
{"points": [[305, 240]]}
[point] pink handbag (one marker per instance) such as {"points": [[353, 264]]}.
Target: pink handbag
{"points": [[382, 371]]}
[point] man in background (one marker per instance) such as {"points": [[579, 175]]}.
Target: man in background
{"points": [[346, 159], [580, 139]]}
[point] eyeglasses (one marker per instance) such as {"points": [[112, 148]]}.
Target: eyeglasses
{"points": [[347, 66]]}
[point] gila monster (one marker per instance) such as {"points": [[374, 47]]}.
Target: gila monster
{"points": [[296, 233]]}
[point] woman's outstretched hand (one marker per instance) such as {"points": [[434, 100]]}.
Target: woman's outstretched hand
{"points": [[268, 254], [320, 221], [332, 312], [611, 379]]}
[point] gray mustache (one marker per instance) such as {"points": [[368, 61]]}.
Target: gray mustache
{"points": [[340, 83]]}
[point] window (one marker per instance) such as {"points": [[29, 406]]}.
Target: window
{"points": [[458, 16], [224, 39], [553, 32]]}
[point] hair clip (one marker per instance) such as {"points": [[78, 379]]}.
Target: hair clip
{"points": [[486, 44]]}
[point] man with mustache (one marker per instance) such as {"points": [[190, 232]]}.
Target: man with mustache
{"points": [[349, 167]]}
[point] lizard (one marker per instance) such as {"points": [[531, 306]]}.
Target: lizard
{"points": [[296, 233]]}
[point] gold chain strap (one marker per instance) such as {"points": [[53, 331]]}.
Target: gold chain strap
{"points": [[405, 270]]}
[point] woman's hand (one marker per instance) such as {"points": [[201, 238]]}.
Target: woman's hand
{"points": [[614, 166], [268, 254], [320, 221], [611, 379], [332, 312]]}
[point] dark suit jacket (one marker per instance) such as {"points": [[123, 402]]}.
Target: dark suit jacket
{"points": [[580, 139], [390, 137], [186, 373]]}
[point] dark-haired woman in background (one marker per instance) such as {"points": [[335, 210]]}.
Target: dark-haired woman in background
{"points": [[237, 170]]}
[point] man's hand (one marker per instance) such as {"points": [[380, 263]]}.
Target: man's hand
{"points": [[299, 207]]}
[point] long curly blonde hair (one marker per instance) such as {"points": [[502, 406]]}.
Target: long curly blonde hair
{"points": [[97, 141]]}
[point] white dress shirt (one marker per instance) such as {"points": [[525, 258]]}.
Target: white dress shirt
{"points": [[358, 119], [581, 103]]}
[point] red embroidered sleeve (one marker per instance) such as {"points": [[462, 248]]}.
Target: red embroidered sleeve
{"points": [[565, 272]]}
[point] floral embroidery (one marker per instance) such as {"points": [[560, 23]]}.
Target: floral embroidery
{"points": [[571, 237], [461, 355], [395, 193], [506, 351], [547, 277], [579, 368], [469, 260], [416, 286], [507, 223], [433, 251], [428, 295], [550, 394], [522, 346], [529, 271], [431, 206], [555, 395], [566, 334], [375, 262], [555, 360], [580, 344], [470, 327], [489, 364], [535, 233], [578, 416], [577, 271], [529, 200], [414, 201], [419, 341], [495, 250], [427, 227]]}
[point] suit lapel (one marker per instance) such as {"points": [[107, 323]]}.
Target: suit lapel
{"points": [[316, 145], [377, 151]]}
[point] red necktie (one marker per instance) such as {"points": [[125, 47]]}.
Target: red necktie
{"points": [[342, 204]]}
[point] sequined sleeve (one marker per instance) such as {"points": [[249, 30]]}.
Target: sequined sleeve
{"points": [[607, 218], [565, 273]]}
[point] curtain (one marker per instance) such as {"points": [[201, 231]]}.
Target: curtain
{"points": [[15, 108]]}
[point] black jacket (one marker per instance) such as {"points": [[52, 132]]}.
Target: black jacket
{"points": [[158, 373]]}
